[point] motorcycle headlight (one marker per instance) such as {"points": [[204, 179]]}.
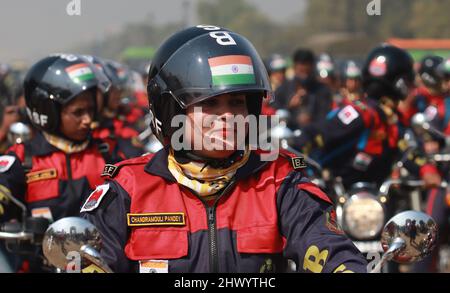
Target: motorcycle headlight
{"points": [[363, 216]]}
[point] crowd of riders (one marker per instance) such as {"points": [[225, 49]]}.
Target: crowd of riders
{"points": [[68, 115]]}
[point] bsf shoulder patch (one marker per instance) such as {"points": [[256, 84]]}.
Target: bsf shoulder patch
{"points": [[6, 162], [298, 163], [95, 198], [109, 170], [156, 219]]}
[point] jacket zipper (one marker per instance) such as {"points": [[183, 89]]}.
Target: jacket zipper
{"points": [[69, 175], [212, 230], [212, 236]]}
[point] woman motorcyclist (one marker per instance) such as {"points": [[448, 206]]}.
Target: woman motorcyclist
{"points": [[62, 163], [359, 141], [429, 93], [438, 199], [352, 84], [213, 209], [108, 125]]}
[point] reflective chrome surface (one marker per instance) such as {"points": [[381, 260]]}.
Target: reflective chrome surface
{"points": [[19, 133], [363, 216], [419, 120], [68, 235], [416, 229]]}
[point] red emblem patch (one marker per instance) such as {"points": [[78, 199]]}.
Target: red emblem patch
{"points": [[95, 198], [6, 162], [331, 222]]}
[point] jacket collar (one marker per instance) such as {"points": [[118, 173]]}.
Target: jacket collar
{"points": [[39, 146], [158, 165]]}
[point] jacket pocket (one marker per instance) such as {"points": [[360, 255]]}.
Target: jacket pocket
{"points": [[42, 185], [266, 239], [146, 243]]}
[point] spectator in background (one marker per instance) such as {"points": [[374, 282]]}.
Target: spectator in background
{"points": [[304, 96]]}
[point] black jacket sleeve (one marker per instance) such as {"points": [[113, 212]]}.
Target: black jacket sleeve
{"points": [[12, 183], [110, 219], [313, 239], [342, 126]]}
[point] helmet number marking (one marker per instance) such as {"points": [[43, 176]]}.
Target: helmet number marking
{"points": [[223, 38]]}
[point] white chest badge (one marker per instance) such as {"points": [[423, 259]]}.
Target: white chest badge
{"points": [[95, 198], [6, 162]]}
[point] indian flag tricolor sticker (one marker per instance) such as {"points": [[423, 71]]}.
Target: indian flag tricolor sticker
{"points": [[80, 72], [231, 70]]}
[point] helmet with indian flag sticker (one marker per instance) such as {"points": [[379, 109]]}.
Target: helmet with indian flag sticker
{"points": [[198, 63], [53, 82]]}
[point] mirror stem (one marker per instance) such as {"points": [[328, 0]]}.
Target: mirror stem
{"points": [[393, 250], [93, 256]]}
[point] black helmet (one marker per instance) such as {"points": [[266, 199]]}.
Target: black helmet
{"points": [[388, 71], [53, 82], [109, 68], [108, 71], [199, 63], [119, 73], [428, 71], [275, 63], [444, 69], [325, 66], [351, 70]]}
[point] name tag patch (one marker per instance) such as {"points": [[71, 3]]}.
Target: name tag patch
{"points": [[41, 175], [156, 219]]}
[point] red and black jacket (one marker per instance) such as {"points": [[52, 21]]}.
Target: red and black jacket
{"points": [[269, 213], [126, 138], [355, 142], [421, 100], [43, 176]]}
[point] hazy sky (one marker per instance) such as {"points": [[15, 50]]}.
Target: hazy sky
{"points": [[30, 29]]}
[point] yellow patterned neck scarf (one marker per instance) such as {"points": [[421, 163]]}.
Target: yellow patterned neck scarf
{"points": [[65, 145], [204, 180]]}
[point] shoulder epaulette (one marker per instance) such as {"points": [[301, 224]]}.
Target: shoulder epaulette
{"points": [[111, 170], [297, 162]]}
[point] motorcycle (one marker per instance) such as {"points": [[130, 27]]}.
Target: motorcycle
{"points": [[440, 159], [363, 209], [406, 238], [22, 239]]}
